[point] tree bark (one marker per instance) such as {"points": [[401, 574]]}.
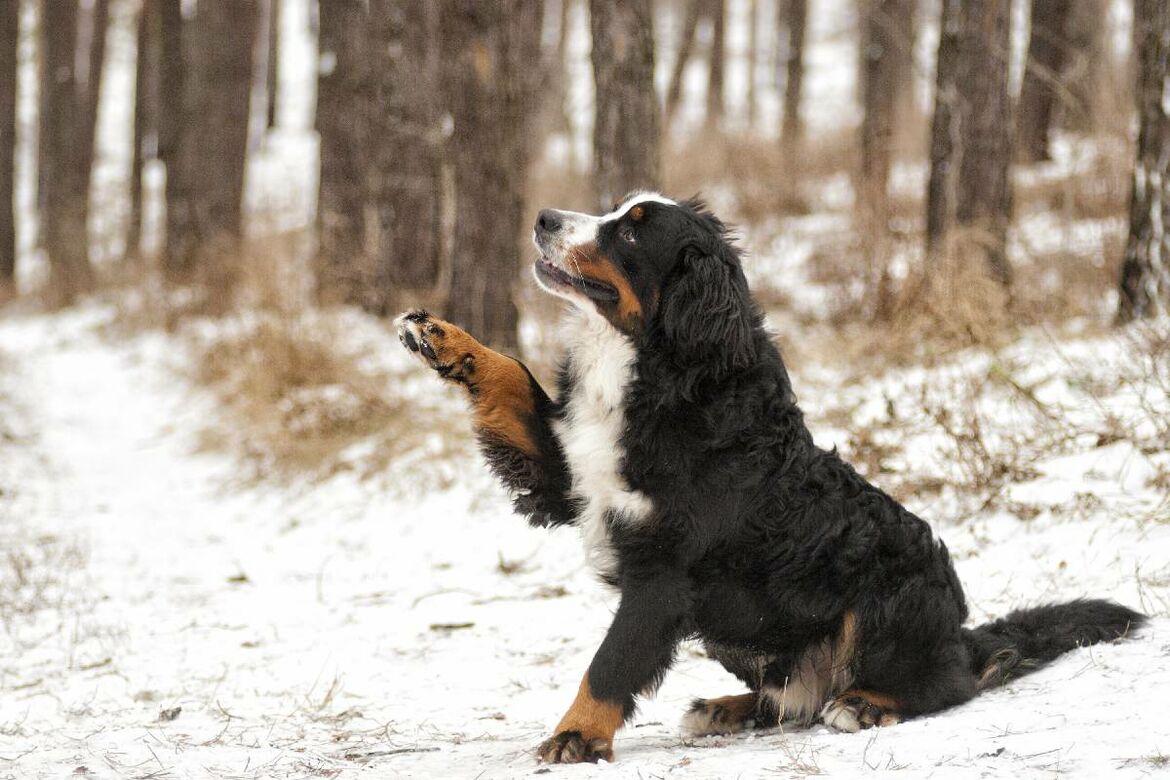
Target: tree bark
{"points": [[218, 46], [489, 74], [1043, 85], [626, 129], [70, 103], [887, 30], [1087, 89], [983, 187], [146, 98], [172, 70], [272, 69], [944, 129], [407, 190], [793, 23], [1145, 270], [9, 40], [715, 63], [344, 96], [753, 62], [686, 46]]}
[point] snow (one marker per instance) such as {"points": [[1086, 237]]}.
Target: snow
{"points": [[367, 626]]}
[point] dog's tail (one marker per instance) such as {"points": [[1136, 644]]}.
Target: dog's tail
{"points": [[1027, 639]]}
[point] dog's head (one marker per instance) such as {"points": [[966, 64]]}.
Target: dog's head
{"points": [[658, 270]]}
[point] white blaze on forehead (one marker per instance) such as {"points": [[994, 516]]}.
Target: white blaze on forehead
{"points": [[578, 228], [633, 200]]}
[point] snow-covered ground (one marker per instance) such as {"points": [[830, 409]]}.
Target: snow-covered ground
{"points": [[169, 619]]}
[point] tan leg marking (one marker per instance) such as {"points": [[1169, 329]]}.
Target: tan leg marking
{"points": [[585, 733]]}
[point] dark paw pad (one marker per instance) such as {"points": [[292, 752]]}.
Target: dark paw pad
{"points": [[572, 747]]}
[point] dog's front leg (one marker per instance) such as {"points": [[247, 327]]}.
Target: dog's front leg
{"points": [[636, 652], [510, 413]]}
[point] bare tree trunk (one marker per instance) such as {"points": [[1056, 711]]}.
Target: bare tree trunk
{"points": [[218, 47], [407, 190], [272, 70], [9, 39], [983, 187], [171, 138], [1043, 85], [887, 27], [1088, 95], [686, 46], [793, 22], [1145, 271], [944, 129], [715, 63], [625, 130], [753, 62], [145, 115], [344, 92], [69, 150], [490, 71]]}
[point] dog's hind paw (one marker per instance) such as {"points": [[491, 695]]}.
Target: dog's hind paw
{"points": [[725, 715], [856, 710]]}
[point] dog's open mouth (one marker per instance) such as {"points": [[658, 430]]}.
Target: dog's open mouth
{"points": [[554, 277]]}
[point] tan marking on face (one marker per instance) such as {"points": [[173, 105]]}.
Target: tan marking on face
{"points": [[822, 672], [636, 213], [587, 261], [593, 718]]}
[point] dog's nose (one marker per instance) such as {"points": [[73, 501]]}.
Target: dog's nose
{"points": [[548, 221]]}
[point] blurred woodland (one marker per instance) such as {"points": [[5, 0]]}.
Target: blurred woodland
{"points": [[444, 125]]}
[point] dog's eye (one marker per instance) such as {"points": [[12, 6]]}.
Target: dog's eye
{"points": [[627, 235]]}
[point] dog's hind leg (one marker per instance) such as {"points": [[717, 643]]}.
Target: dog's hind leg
{"points": [[510, 414]]}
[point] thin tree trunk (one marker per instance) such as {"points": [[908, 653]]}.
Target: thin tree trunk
{"points": [[944, 129], [489, 73], [218, 47], [407, 190], [344, 92], [9, 39], [1043, 85], [715, 63], [1088, 96], [626, 129], [753, 62], [1145, 271], [794, 24], [983, 187], [886, 30], [145, 115], [686, 46], [66, 183], [272, 70]]}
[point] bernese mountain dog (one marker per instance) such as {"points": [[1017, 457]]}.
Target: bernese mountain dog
{"points": [[676, 445]]}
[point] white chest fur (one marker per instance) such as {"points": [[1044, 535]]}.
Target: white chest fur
{"points": [[602, 362]]}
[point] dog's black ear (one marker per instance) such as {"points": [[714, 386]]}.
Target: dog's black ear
{"points": [[706, 313]]}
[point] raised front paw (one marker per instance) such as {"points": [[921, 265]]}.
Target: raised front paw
{"points": [[572, 747], [439, 345]]}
